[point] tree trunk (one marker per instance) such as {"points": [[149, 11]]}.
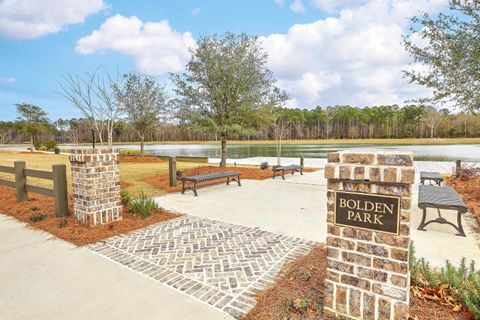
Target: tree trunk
{"points": [[142, 145], [431, 132], [223, 162], [31, 143]]}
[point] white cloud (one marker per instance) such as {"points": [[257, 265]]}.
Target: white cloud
{"points": [[355, 58], [155, 47], [297, 6], [280, 3], [7, 80], [332, 5], [29, 19], [196, 11]]}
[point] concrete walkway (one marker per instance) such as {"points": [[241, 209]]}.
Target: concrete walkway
{"points": [[296, 207], [50, 279]]}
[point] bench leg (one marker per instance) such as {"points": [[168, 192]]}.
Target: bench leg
{"points": [[274, 175], [422, 224], [301, 171], [228, 180], [195, 189], [459, 223], [238, 181], [183, 186], [283, 174]]}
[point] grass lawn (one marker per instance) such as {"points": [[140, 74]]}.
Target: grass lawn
{"points": [[131, 173]]}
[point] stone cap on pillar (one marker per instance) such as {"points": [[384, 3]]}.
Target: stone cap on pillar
{"points": [[371, 166], [93, 155]]}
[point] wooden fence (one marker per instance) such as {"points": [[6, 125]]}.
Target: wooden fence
{"points": [[58, 175]]}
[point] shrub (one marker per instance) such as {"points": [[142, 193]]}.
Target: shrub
{"points": [[50, 145], [37, 217], [37, 144], [144, 206], [126, 197], [264, 165], [463, 282], [45, 145], [63, 223]]}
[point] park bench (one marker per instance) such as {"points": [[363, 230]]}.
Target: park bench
{"points": [[280, 170], [431, 176], [234, 176], [445, 198]]}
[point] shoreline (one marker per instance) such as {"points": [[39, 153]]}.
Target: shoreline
{"points": [[403, 141]]}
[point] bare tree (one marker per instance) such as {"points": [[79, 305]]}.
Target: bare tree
{"points": [[432, 118], [94, 96]]}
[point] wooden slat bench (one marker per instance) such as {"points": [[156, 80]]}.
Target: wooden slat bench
{"points": [[431, 176], [280, 171], [445, 198], [234, 176]]}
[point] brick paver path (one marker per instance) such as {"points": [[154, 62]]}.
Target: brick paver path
{"points": [[217, 263]]}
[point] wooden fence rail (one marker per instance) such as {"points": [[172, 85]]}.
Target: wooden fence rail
{"points": [[58, 175]]}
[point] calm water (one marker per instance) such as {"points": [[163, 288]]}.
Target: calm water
{"points": [[470, 152]]}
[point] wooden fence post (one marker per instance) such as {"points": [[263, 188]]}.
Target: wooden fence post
{"points": [[60, 189], [172, 171], [458, 167], [20, 180]]}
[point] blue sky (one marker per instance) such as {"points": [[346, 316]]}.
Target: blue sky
{"points": [[323, 52]]}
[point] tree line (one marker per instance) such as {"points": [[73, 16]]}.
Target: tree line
{"points": [[337, 122]]}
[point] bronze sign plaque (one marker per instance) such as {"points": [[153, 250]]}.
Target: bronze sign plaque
{"points": [[368, 211]]}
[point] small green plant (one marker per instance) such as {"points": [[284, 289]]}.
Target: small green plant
{"points": [[303, 304], [126, 197], [463, 282], [144, 206], [37, 217], [63, 223]]}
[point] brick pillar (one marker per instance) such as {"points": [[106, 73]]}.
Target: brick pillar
{"points": [[368, 275], [96, 185]]}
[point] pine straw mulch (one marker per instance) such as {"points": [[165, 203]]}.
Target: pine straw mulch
{"points": [[74, 231], [298, 294], [161, 181], [467, 185], [140, 159]]}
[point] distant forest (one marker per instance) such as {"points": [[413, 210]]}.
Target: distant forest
{"points": [[339, 122]]}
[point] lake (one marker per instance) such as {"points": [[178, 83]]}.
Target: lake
{"points": [[465, 152]]}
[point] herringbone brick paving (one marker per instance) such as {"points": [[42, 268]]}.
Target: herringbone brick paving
{"points": [[217, 263]]}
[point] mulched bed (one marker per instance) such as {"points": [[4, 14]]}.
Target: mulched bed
{"points": [[468, 187], [141, 159], [298, 294], [161, 181], [74, 231]]}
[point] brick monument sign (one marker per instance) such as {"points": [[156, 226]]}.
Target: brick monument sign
{"points": [[96, 185], [368, 237]]}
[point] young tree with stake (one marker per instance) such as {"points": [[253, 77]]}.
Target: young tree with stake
{"points": [[227, 87], [144, 101]]}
